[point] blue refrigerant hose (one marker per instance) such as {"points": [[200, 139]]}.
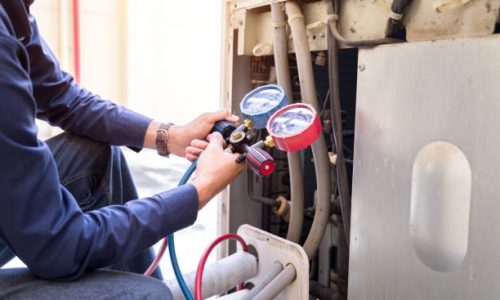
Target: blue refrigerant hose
{"points": [[171, 244]]}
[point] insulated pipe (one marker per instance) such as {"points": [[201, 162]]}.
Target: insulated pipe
{"points": [[344, 219], [342, 261], [395, 20], [321, 292], [219, 276], [276, 268], [338, 139], [356, 44], [235, 296], [324, 257], [319, 149], [279, 283], [280, 47], [251, 193]]}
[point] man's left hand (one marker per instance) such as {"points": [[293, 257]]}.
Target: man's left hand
{"points": [[190, 140]]}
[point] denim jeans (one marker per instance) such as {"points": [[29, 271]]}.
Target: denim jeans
{"points": [[97, 175]]}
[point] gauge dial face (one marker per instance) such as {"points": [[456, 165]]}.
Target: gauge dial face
{"points": [[262, 101], [292, 121], [294, 127]]}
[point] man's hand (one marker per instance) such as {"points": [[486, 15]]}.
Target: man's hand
{"points": [[182, 139], [216, 168]]}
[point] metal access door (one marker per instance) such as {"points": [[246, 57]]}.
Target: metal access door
{"points": [[426, 187]]}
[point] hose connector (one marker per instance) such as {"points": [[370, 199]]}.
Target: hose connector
{"points": [[269, 142], [248, 124]]}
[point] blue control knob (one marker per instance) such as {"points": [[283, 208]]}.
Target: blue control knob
{"points": [[259, 104]]}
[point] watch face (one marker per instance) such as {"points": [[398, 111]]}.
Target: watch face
{"points": [[292, 121], [262, 101]]}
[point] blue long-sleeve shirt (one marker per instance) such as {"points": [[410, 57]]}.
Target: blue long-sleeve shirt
{"points": [[39, 219]]}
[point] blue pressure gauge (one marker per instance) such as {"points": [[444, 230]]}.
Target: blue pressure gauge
{"points": [[259, 104]]}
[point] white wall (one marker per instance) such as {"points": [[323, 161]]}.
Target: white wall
{"points": [[159, 57], [103, 53], [173, 75], [174, 57], [102, 42]]}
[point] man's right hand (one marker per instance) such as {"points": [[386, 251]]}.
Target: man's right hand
{"points": [[215, 170]]}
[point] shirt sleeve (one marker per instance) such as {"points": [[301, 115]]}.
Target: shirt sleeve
{"points": [[39, 219], [64, 103]]}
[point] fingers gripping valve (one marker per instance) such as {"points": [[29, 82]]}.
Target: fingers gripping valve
{"points": [[259, 161]]}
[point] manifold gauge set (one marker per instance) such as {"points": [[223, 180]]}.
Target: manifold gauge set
{"points": [[267, 114]]}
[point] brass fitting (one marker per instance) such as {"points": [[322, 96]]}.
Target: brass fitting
{"points": [[248, 124], [237, 135], [269, 141]]}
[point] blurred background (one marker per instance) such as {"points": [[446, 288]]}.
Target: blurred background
{"points": [[150, 56]]}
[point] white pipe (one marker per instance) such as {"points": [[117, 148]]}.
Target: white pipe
{"points": [[219, 276], [276, 268], [280, 47], [279, 283], [236, 295], [319, 149]]}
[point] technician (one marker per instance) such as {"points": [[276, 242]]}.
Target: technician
{"points": [[68, 206]]}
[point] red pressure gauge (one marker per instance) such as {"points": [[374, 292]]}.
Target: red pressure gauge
{"points": [[294, 127]]}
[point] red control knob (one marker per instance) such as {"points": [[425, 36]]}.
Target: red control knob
{"points": [[260, 161]]}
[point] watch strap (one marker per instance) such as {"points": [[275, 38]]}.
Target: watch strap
{"points": [[162, 138]]}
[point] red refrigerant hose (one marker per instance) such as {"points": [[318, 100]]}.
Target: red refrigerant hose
{"points": [[157, 259], [204, 257]]}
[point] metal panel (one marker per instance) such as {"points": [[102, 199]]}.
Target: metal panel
{"points": [[426, 21], [364, 20], [409, 96]]}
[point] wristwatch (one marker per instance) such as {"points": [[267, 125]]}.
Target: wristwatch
{"points": [[162, 139]]}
